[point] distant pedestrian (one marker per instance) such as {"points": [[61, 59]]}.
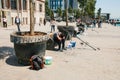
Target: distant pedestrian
{"points": [[115, 22], [94, 23], [99, 24], [44, 21], [5, 22], [52, 23], [17, 22]]}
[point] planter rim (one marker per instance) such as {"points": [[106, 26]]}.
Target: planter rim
{"points": [[17, 39]]}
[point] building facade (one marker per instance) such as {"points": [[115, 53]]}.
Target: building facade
{"points": [[73, 4], [13, 8], [55, 4]]}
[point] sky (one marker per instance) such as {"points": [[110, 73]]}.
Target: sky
{"points": [[109, 6]]}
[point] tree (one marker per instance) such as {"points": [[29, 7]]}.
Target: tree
{"points": [[78, 13], [87, 8], [70, 10], [99, 13], [82, 5], [63, 15], [90, 8], [59, 12], [74, 12], [51, 14], [47, 9]]}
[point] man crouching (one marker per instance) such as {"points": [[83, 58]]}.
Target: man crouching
{"points": [[59, 38]]}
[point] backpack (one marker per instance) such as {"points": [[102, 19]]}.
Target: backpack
{"points": [[36, 62]]}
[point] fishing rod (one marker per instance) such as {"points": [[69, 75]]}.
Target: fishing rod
{"points": [[87, 43]]}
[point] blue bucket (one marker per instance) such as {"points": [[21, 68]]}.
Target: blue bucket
{"points": [[73, 43]]}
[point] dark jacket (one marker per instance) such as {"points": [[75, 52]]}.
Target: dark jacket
{"points": [[16, 21]]}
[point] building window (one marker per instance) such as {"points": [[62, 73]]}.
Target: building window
{"points": [[40, 20], [26, 20], [13, 4], [5, 4], [23, 20], [58, 3], [0, 16], [2, 3], [20, 5], [34, 20], [24, 5], [40, 7], [12, 21]]}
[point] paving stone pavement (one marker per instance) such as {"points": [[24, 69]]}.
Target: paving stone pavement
{"points": [[9, 67], [79, 63]]}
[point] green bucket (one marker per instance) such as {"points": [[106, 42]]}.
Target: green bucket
{"points": [[48, 60]]}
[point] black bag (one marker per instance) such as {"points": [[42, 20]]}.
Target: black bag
{"points": [[36, 66], [36, 62]]}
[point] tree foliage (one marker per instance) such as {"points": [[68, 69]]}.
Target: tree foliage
{"points": [[48, 11], [51, 14], [63, 14], [59, 12], [87, 7], [99, 13], [70, 10], [77, 13]]}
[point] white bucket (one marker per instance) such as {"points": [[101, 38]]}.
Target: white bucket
{"points": [[48, 60], [69, 46]]}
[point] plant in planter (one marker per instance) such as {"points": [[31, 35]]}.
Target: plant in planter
{"points": [[29, 43]]}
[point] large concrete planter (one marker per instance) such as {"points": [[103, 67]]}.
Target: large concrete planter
{"points": [[26, 46]]}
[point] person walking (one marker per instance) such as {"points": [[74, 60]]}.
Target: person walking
{"points": [[52, 23], [17, 22], [44, 22], [94, 23], [5, 22], [99, 24]]}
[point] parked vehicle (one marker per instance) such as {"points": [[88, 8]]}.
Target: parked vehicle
{"points": [[59, 19], [71, 19], [47, 18]]}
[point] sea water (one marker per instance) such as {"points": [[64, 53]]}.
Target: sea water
{"points": [[118, 25], [117, 19]]}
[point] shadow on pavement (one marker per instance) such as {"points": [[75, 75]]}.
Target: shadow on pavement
{"points": [[8, 52], [13, 61]]}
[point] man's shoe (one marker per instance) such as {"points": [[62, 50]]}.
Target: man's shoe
{"points": [[61, 50], [64, 49]]}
